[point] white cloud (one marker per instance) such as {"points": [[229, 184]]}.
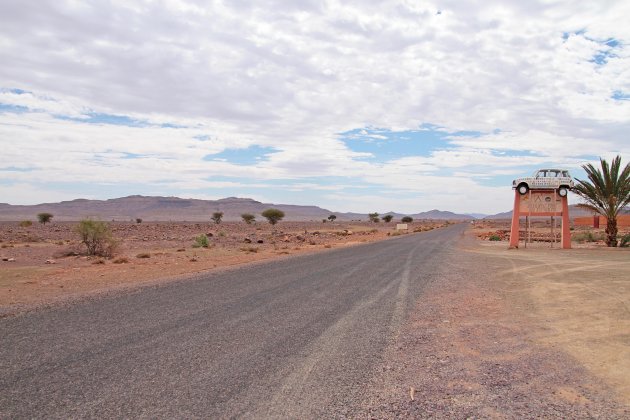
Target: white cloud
{"points": [[293, 75]]}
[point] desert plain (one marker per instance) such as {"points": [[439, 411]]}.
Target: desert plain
{"points": [[40, 264], [557, 320]]}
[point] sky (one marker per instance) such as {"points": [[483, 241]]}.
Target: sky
{"points": [[348, 105]]}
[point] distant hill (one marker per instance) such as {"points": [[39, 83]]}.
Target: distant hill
{"points": [[182, 209]]}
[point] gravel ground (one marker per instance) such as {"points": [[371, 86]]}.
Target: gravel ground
{"points": [[467, 352]]}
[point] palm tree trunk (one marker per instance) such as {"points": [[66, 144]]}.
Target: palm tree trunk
{"points": [[611, 231]]}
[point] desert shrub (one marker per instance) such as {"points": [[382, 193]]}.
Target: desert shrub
{"points": [[273, 216], [97, 237], [248, 218], [201, 241], [44, 218], [332, 217], [221, 234], [217, 216], [625, 240], [407, 219], [26, 223], [121, 260], [494, 238], [588, 237], [387, 218], [99, 261], [138, 220], [248, 249], [374, 217], [143, 255]]}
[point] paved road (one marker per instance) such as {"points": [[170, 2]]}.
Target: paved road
{"points": [[295, 338]]}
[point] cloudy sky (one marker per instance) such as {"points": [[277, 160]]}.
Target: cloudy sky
{"points": [[350, 105]]}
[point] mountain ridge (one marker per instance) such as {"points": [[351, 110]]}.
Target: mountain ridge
{"points": [[169, 208]]}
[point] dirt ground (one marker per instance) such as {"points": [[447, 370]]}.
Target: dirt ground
{"points": [[545, 333], [43, 263]]}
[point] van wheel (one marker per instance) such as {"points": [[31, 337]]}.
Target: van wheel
{"points": [[562, 191], [523, 189]]}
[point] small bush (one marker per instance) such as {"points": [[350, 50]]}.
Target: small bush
{"points": [[373, 217], [26, 223], [97, 237], [121, 260], [588, 237], [143, 255], [273, 216], [44, 218], [248, 218], [99, 261], [138, 220], [387, 218], [407, 219], [494, 238], [624, 242], [332, 217], [248, 249], [201, 241], [217, 216]]}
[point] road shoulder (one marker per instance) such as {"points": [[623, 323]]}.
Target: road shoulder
{"points": [[478, 345]]}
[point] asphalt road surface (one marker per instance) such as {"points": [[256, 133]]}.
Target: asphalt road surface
{"points": [[295, 338]]}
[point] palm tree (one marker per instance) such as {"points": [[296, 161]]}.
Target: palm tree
{"points": [[607, 193]]}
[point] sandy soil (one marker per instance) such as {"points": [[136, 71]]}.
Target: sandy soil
{"points": [[580, 302], [544, 334], [47, 263]]}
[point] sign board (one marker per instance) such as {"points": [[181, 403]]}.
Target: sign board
{"points": [[541, 202], [401, 226]]}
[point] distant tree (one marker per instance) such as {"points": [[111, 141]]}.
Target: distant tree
{"points": [[26, 223], [407, 219], [332, 217], [217, 216], [97, 237], [607, 193], [138, 220], [44, 218], [248, 218], [273, 215], [374, 217], [387, 218]]}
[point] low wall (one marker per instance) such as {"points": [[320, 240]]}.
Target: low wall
{"points": [[622, 221]]}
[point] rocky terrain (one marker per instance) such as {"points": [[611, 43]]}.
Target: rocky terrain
{"points": [[39, 263]]}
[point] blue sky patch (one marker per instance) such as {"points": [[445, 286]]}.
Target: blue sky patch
{"points": [[100, 118], [249, 156], [385, 145], [13, 109], [16, 169], [620, 96]]}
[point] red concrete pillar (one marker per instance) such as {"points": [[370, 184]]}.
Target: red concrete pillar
{"points": [[514, 231], [566, 230], [596, 222]]}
